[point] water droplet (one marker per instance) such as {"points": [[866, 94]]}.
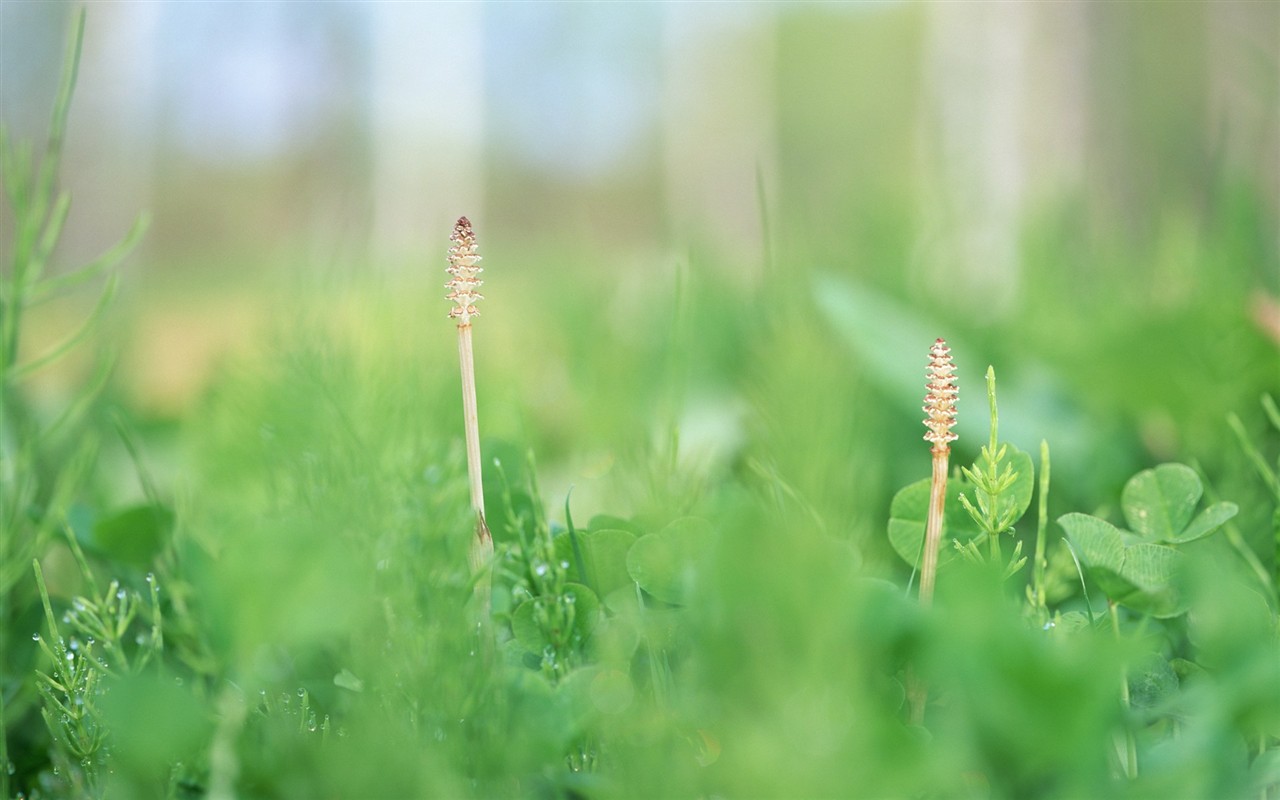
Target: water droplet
{"points": [[78, 604], [35, 637], [71, 656], [120, 594], [302, 692], [10, 768], [75, 645], [564, 565], [151, 578], [139, 639], [1050, 625], [539, 569], [66, 618], [177, 681], [90, 642]]}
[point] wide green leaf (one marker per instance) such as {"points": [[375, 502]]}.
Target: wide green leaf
{"points": [[134, 535], [600, 559], [1139, 575], [1158, 503], [909, 511], [665, 563]]}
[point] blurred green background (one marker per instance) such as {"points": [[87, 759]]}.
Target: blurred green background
{"points": [[744, 222], [1085, 195]]}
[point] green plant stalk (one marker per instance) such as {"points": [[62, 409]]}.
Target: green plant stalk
{"points": [[1260, 465], [1040, 570], [992, 461], [4, 736], [1131, 745], [990, 485], [36, 224]]}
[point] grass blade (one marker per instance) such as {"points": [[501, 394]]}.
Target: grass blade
{"points": [[96, 267], [104, 300]]}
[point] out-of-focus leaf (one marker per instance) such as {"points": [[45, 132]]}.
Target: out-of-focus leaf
{"points": [[532, 636], [154, 721], [134, 535], [1152, 682], [665, 563], [604, 558]]}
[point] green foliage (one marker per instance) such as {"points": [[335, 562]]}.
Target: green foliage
{"points": [[1001, 480], [47, 460], [907, 517], [666, 564], [1141, 567]]}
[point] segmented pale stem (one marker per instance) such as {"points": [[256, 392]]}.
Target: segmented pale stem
{"points": [[940, 418], [464, 266], [940, 411]]}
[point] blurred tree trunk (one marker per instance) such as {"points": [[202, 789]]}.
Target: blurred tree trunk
{"points": [[718, 127], [427, 124], [1244, 93], [978, 57]]}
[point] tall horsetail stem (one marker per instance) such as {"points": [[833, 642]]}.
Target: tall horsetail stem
{"points": [[940, 411], [940, 418], [464, 284]]}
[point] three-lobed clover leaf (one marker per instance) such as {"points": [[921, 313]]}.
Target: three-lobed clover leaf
{"points": [[1139, 568], [1159, 503]]}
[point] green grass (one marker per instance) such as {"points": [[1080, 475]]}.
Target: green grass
{"points": [[283, 608]]}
